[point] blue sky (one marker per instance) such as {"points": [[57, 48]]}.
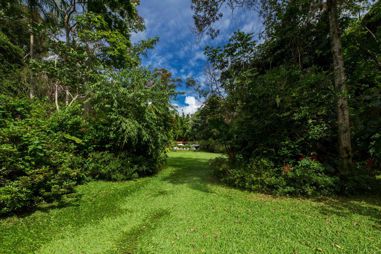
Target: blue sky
{"points": [[179, 50]]}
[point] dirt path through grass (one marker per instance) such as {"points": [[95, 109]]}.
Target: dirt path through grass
{"points": [[184, 210]]}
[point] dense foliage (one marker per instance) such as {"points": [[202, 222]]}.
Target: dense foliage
{"points": [[39, 163], [298, 113], [183, 128], [278, 115], [75, 102]]}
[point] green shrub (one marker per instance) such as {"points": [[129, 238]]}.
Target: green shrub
{"points": [[309, 178], [305, 178], [73, 126], [132, 120], [220, 167], [38, 163], [15, 196], [108, 166], [259, 175], [361, 179], [123, 134], [212, 146], [13, 108]]}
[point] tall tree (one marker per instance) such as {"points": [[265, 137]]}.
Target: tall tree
{"points": [[206, 13], [344, 130], [38, 12], [33, 13]]}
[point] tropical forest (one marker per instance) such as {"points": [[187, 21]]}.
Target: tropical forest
{"points": [[190, 126]]}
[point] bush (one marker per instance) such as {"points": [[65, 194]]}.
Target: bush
{"points": [[212, 146], [309, 178], [305, 178], [15, 196], [134, 122], [361, 179], [259, 175], [124, 134], [108, 166], [38, 164]]}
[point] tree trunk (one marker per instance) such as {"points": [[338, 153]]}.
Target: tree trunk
{"points": [[344, 132], [56, 96], [67, 36], [67, 94], [67, 29], [31, 55], [32, 9]]}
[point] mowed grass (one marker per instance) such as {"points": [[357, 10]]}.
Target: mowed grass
{"points": [[184, 210]]}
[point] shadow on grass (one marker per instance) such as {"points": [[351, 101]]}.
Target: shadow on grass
{"points": [[66, 202], [128, 243], [95, 204], [99, 204], [369, 206], [193, 172], [364, 204]]}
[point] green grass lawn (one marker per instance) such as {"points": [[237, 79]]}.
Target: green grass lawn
{"points": [[184, 210]]}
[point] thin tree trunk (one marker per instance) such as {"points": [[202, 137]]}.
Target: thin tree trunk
{"points": [[56, 96], [67, 29], [344, 132], [67, 93], [31, 55], [31, 46], [74, 99], [67, 35], [299, 58]]}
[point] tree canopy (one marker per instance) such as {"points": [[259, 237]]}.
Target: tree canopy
{"points": [[76, 102], [284, 98]]}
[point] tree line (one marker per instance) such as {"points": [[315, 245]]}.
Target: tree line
{"points": [[75, 101], [300, 112]]}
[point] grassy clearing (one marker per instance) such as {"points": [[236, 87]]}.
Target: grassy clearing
{"points": [[183, 210]]}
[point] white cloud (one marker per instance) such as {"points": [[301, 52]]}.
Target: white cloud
{"points": [[137, 37], [249, 27], [225, 24], [179, 50], [199, 55], [192, 106]]}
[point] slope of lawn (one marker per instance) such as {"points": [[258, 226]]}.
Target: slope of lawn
{"points": [[183, 210]]}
